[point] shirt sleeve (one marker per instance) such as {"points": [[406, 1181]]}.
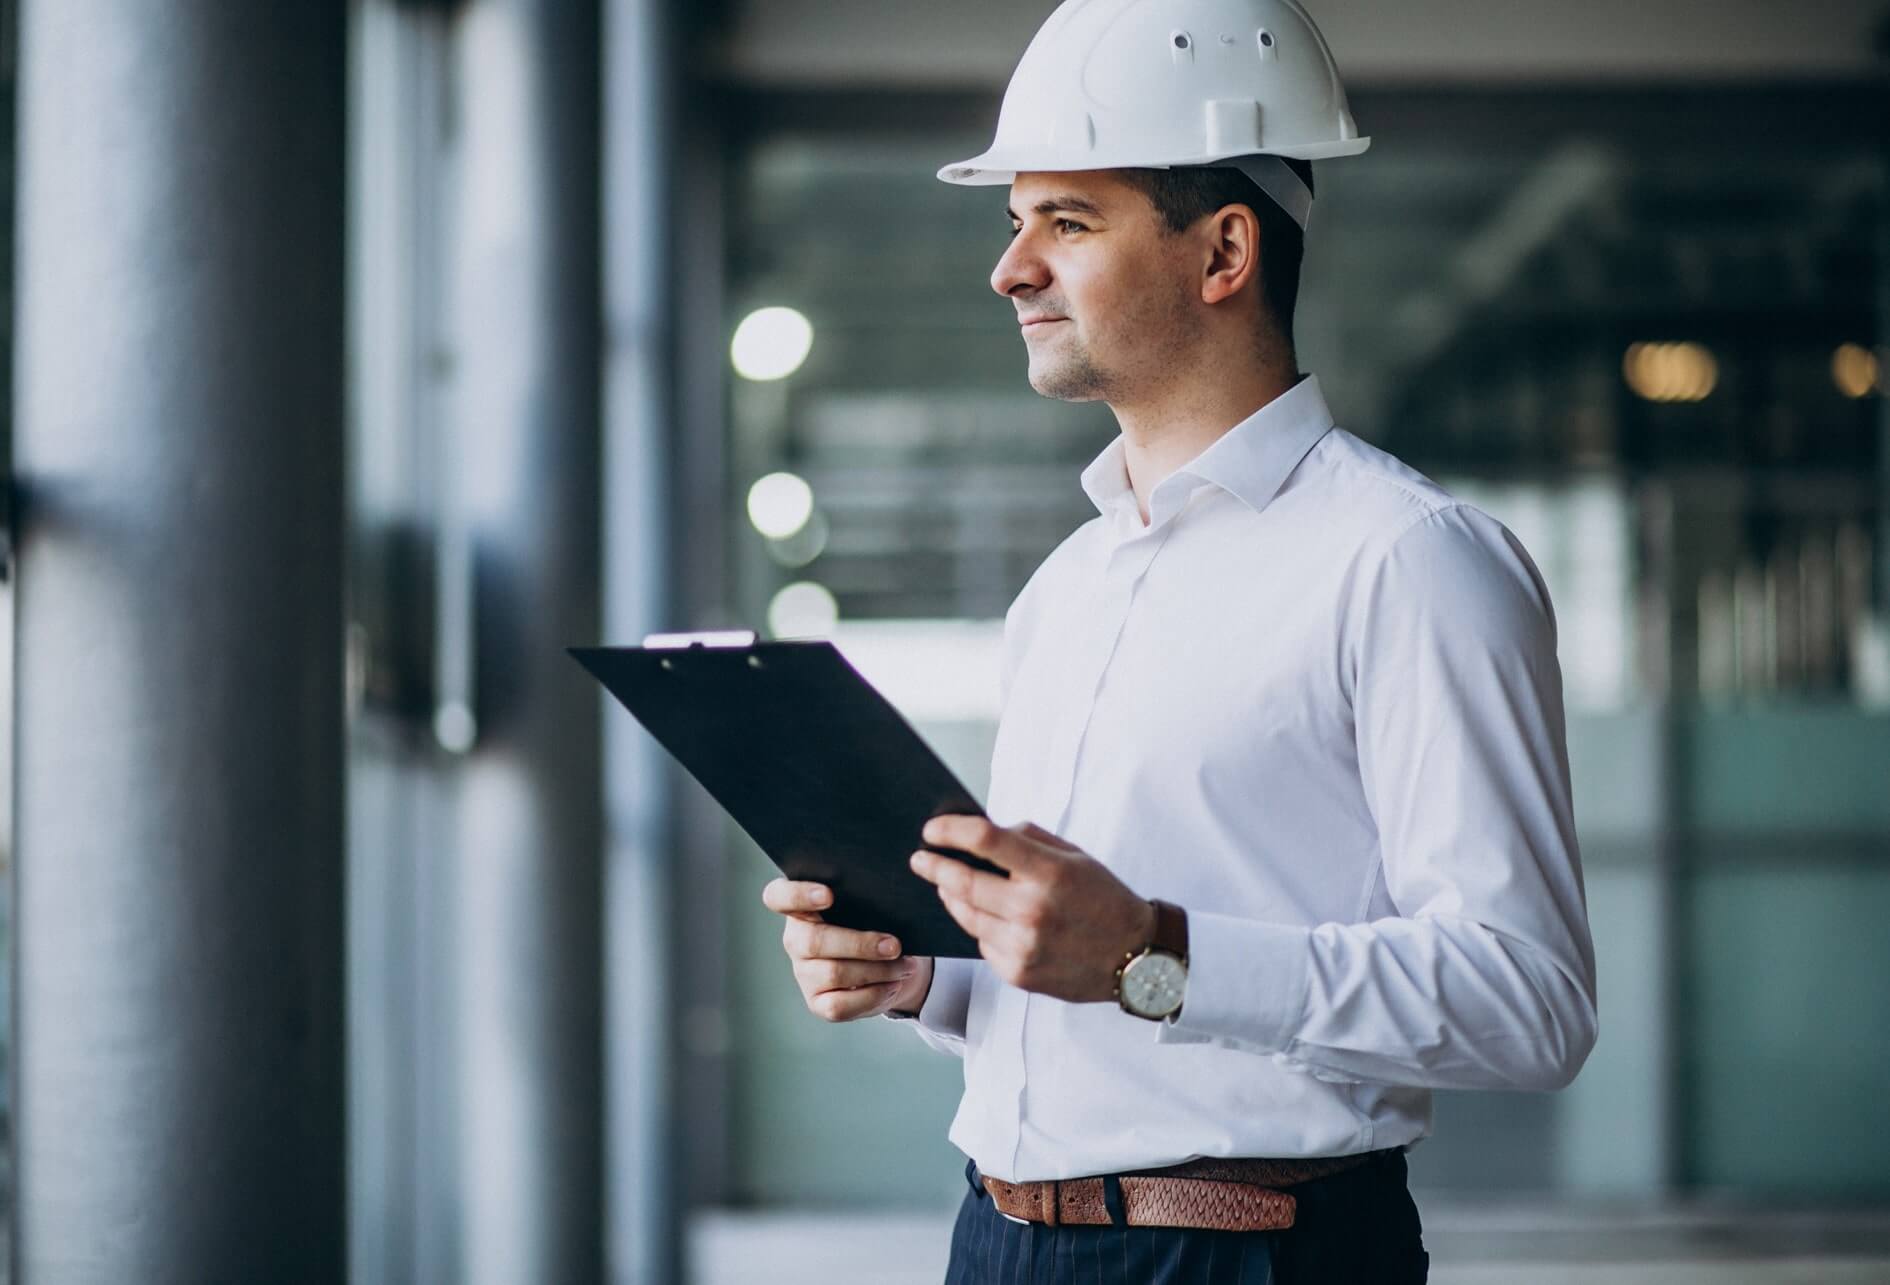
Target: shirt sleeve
{"points": [[1485, 977], [940, 1021]]}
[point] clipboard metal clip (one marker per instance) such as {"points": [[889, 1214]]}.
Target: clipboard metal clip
{"points": [[735, 638]]}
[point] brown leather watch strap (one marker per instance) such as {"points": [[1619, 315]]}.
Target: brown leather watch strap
{"points": [[1171, 928]]}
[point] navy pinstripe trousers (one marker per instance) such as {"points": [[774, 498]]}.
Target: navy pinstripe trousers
{"points": [[1355, 1228]]}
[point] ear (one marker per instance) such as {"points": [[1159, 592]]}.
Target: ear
{"points": [[1233, 252]]}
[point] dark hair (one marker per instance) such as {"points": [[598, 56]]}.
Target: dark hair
{"points": [[1185, 194]]}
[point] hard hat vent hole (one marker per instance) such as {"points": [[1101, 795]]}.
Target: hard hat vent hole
{"points": [[1181, 40], [1266, 40]]}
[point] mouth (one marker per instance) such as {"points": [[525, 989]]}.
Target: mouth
{"points": [[1029, 324]]}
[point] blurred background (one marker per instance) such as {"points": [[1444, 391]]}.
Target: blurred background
{"points": [[362, 357]]}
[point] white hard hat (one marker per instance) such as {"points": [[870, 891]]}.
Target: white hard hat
{"points": [[1119, 84]]}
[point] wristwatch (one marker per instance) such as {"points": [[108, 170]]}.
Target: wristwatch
{"points": [[1151, 983]]}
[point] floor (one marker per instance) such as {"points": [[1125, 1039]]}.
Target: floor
{"points": [[1470, 1245]]}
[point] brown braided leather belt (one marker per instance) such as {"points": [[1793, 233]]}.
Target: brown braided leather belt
{"points": [[1216, 1195]]}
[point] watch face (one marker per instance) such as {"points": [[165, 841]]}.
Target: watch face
{"points": [[1152, 985]]}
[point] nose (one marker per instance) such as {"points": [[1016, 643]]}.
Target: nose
{"points": [[1020, 269]]}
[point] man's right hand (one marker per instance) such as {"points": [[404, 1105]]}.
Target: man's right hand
{"points": [[843, 974]]}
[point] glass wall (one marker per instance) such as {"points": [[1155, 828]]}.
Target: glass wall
{"points": [[1647, 332]]}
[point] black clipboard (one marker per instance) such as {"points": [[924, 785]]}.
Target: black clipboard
{"points": [[822, 772]]}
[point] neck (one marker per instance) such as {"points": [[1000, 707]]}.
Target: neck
{"points": [[1173, 424]]}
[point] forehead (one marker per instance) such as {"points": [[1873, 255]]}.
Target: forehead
{"points": [[1097, 191]]}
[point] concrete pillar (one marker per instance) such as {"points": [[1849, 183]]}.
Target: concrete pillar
{"points": [[179, 808], [528, 914]]}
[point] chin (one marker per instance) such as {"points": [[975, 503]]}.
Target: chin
{"points": [[1064, 384]]}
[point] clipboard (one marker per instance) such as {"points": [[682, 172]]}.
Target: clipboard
{"points": [[812, 761]]}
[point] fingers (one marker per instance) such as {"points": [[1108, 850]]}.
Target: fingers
{"points": [[843, 974], [788, 896], [841, 990], [817, 975], [850, 1005], [982, 837], [981, 924], [953, 878], [811, 940]]}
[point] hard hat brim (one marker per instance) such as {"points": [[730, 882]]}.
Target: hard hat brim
{"points": [[1002, 165]]}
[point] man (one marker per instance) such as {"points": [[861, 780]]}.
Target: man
{"points": [[1280, 780]]}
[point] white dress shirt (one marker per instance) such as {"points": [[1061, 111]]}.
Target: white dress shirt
{"points": [[1315, 702]]}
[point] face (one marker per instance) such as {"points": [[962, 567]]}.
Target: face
{"points": [[1105, 298]]}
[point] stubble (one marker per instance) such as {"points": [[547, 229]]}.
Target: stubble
{"points": [[1153, 338]]}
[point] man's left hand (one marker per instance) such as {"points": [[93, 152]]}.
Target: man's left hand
{"points": [[1060, 925]]}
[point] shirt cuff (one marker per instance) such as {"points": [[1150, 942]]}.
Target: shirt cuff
{"points": [[940, 1021], [1247, 984]]}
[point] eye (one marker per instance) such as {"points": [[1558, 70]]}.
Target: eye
{"points": [[1070, 225]]}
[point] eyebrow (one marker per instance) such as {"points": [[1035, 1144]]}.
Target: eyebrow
{"points": [[1074, 204]]}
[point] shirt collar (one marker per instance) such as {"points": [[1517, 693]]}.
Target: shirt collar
{"points": [[1250, 461]]}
